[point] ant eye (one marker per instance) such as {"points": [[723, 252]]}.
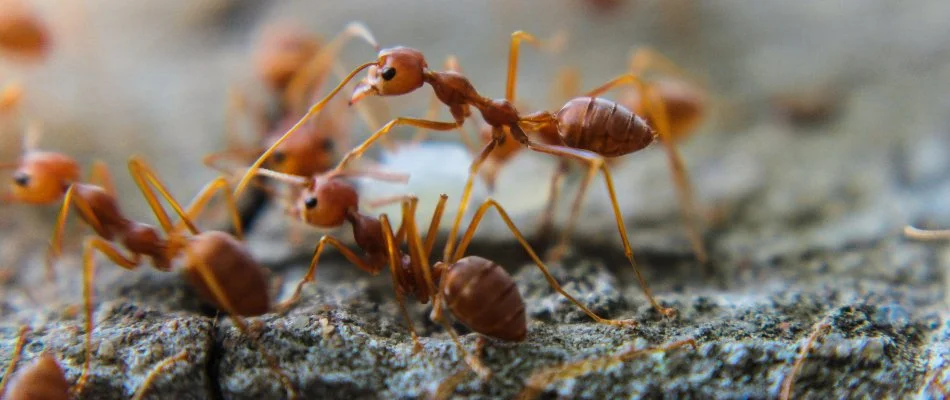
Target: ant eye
{"points": [[278, 157], [327, 145], [388, 73], [21, 179], [310, 202]]}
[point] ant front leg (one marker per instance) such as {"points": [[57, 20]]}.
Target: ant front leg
{"points": [[820, 328], [546, 225], [421, 123], [14, 359], [312, 271], [470, 233], [92, 245], [395, 264], [546, 376], [595, 162]]}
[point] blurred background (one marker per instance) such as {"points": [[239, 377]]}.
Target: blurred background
{"points": [[152, 78]]}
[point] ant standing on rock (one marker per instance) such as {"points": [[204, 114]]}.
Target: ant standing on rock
{"points": [[463, 284], [590, 128], [217, 264]]}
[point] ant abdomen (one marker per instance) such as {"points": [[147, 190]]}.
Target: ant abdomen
{"points": [[241, 278], [484, 297], [602, 126], [42, 379]]}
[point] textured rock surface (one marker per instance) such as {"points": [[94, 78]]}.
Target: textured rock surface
{"points": [[805, 219]]}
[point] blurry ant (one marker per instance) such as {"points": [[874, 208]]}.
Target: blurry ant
{"points": [[590, 129], [548, 375], [291, 62], [44, 378], [23, 34], [217, 265], [457, 282]]}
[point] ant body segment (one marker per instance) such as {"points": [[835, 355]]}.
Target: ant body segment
{"points": [[456, 282], [589, 128], [217, 264], [44, 378]]}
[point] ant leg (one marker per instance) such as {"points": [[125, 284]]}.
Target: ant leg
{"points": [[820, 328], [314, 110], [32, 135], [154, 374], [645, 58], [470, 233], [144, 177], [548, 375], [311, 76], [312, 271], [547, 219], [11, 96], [100, 176], [393, 251], [15, 358], [434, 224], [422, 123], [447, 387], [595, 162], [56, 241], [516, 38], [923, 234], [221, 298], [684, 189], [88, 271], [463, 203], [197, 205]]}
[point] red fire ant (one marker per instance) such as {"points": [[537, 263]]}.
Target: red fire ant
{"points": [[44, 377], [456, 282], [590, 129], [217, 264]]}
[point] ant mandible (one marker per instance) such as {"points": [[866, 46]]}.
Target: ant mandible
{"points": [[456, 282], [44, 378], [401, 70], [217, 264]]}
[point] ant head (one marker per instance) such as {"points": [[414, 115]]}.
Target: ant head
{"points": [[26, 36], [326, 203], [43, 177], [398, 71]]}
